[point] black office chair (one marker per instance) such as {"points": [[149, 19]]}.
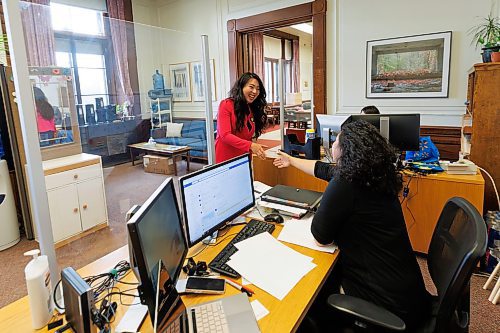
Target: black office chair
{"points": [[458, 243]]}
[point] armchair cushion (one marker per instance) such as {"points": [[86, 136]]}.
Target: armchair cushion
{"points": [[174, 130], [367, 312]]}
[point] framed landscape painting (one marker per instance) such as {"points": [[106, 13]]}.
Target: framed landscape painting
{"points": [[179, 82], [412, 66]]}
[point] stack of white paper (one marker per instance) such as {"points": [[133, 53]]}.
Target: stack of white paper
{"points": [[294, 211], [269, 264], [299, 232]]}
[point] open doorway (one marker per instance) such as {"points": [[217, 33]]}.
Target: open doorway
{"points": [[241, 40]]}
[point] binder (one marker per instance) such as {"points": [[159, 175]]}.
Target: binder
{"points": [[292, 196]]}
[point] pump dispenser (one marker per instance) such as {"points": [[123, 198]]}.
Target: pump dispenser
{"points": [[39, 289]]}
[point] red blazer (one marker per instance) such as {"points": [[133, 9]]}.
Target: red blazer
{"points": [[230, 143]]}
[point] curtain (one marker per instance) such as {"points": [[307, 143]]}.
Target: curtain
{"points": [[121, 44], [296, 65], [257, 53], [38, 33]]}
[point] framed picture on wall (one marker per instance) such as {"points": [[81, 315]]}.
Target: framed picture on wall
{"points": [[412, 66], [197, 83], [179, 82]]}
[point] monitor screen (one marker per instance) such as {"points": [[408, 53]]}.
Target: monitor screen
{"points": [[402, 130], [156, 233], [328, 127], [215, 195]]}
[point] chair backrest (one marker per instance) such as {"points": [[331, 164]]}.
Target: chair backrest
{"points": [[458, 243]]}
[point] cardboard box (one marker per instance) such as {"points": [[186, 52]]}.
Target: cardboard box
{"points": [[158, 164]]}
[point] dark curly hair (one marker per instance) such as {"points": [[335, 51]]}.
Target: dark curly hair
{"points": [[367, 159], [241, 105]]}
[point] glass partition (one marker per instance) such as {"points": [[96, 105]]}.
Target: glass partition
{"points": [[108, 87]]}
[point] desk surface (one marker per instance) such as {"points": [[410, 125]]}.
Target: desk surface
{"points": [[284, 316]]}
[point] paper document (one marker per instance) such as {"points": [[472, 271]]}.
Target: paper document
{"points": [[288, 210], [269, 264], [299, 232], [259, 310], [259, 188], [272, 152]]}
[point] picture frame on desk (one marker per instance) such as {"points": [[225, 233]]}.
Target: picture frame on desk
{"points": [[180, 82], [412, 66], [197, 80]]}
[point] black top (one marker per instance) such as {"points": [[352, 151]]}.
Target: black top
{"points": [[376, 257]]}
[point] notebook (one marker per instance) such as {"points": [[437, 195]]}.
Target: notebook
{"points": [[292, 196]]}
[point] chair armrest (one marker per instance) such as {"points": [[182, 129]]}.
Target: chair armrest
{"points": [[366, 312]]}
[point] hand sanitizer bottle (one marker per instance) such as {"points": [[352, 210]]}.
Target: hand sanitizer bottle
{"points": [[39, 289]]}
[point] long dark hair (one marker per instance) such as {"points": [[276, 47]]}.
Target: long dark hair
{"points": [[42, 104], [367, 159], [241, 105]]}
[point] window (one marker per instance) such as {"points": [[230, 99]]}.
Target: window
{"points": [[81, 44], [271, 78]]}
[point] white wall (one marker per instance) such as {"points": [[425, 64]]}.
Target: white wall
{"points": [[356, 22], [349, 25]]}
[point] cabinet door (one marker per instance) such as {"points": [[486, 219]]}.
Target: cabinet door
{"points": [[92, 203], [64, 212]]}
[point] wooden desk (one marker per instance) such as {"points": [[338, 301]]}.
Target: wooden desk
{"points": [[427, 197], [284, 316], [421, 209]]}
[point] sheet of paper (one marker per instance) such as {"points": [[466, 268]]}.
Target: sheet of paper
{"points": [[259, 310], [272, 152], [133, 318], [299, 232], [292, 210], [270, 265], [260, 188]]}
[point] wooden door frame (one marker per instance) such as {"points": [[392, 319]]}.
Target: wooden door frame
{"points": [[313, 11]]}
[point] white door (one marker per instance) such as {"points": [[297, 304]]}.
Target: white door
{"points": [[64, 212], [92, 204]]}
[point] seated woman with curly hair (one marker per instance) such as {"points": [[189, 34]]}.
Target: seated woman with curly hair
{"points": [[361, 213]]}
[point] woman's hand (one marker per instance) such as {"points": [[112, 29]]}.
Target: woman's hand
{"points": [[258, 150], [283, 160]]}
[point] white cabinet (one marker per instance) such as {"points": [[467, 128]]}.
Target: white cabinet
{"points": [[75, 191]]}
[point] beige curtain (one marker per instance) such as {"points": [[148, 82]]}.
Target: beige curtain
{"points": [[120, 40], [38, 33], [256, 49]]}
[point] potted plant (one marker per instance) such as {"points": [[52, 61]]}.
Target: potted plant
{"points": [[487, 33]]}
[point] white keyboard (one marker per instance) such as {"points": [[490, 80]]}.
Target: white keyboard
{"points": [[210, 318]]}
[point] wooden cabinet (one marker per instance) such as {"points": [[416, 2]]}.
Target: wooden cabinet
{"points": [[484, 103], [75, 191]]}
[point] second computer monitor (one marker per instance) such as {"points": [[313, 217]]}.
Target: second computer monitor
{"points": [[402, 130], [215, 195]]}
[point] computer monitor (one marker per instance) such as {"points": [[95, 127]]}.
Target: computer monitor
{"points": [[215, 195], [401, 130], [156, 232], [328, 127]]}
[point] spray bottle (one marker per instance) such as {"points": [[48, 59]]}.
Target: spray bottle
{"points": [[39, 289]]}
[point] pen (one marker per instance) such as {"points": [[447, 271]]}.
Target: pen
{"points": [[246, 290]]}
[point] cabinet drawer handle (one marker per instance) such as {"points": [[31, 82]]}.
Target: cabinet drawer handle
{"points": [[75, 210], [75, 176], [85, 206]]}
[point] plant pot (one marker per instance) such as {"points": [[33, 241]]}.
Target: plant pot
{"points": [[487, 52], [495, 56]]}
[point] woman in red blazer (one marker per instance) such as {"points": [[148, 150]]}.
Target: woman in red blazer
{"points": [[241, 118]]}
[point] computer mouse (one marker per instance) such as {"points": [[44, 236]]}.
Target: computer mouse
{"points": [[276, 218]]}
